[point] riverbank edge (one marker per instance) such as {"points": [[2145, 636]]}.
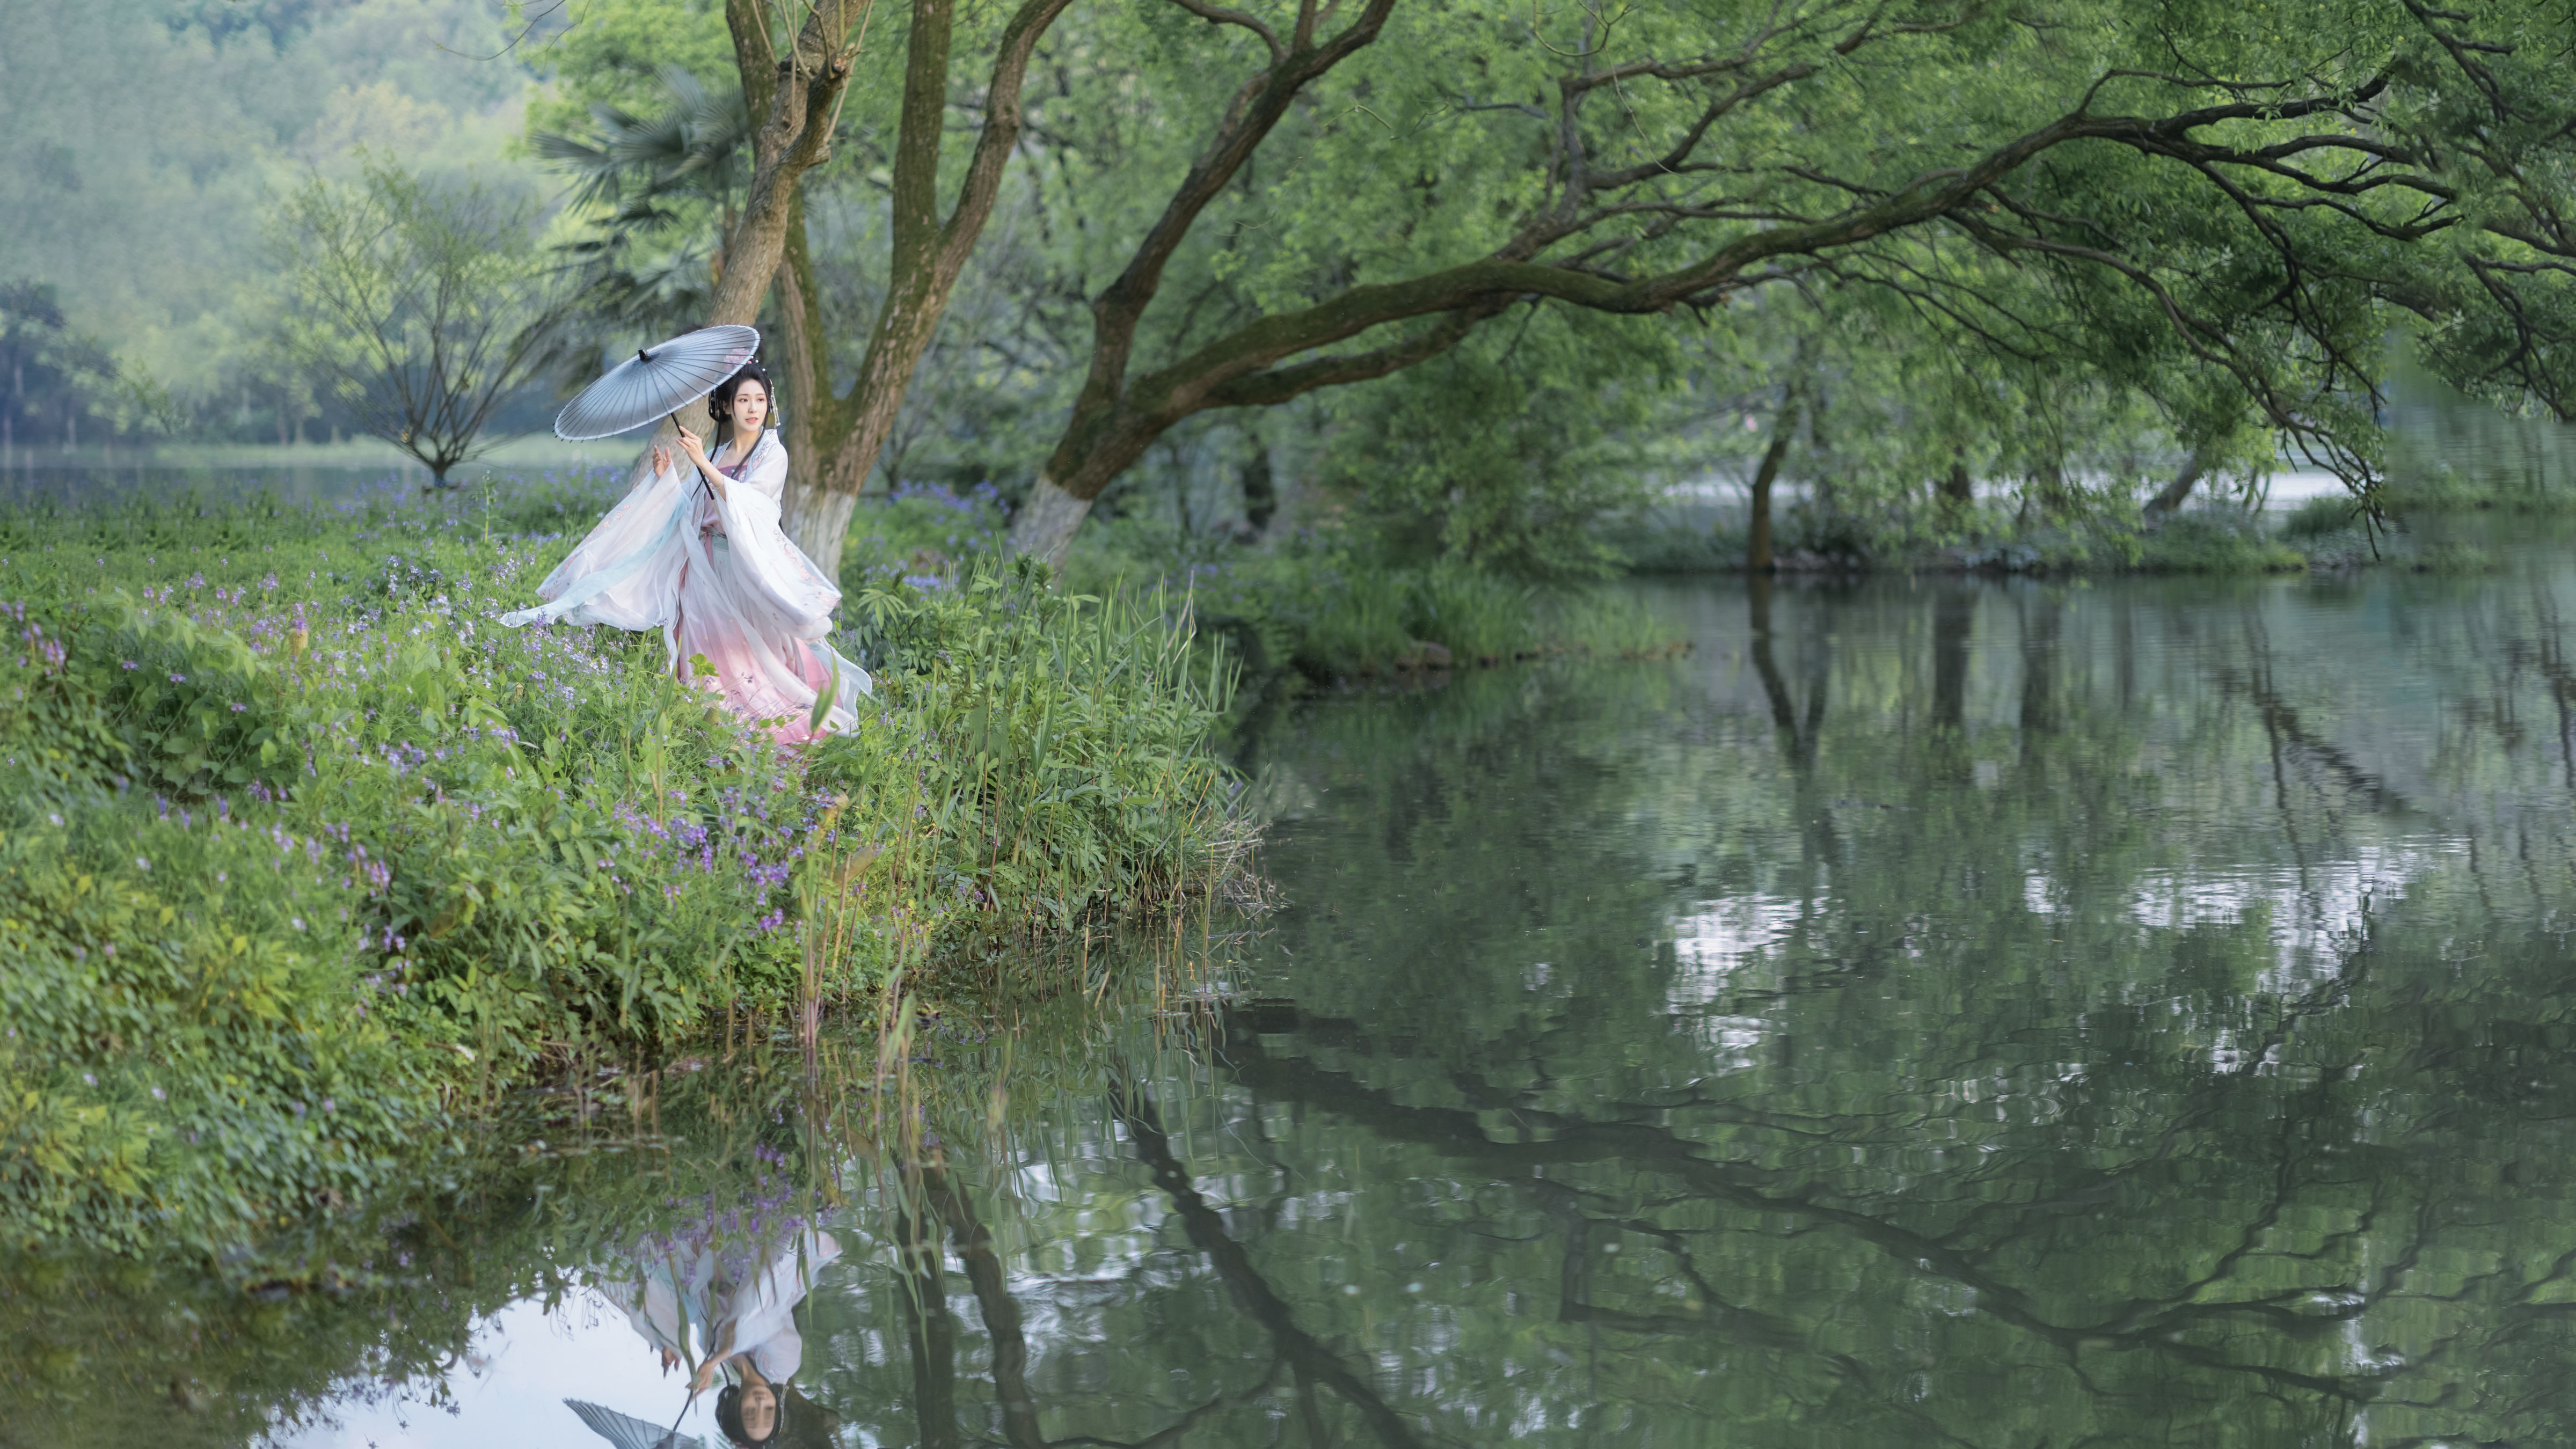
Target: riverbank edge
{"points": [[2327, 536]]}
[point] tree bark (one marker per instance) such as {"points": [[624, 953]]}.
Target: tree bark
{"points": [[808, 410], [2048, 486], [1044, 526], [1104, 439], [1260, 486]]}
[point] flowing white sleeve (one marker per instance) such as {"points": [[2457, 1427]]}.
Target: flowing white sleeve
{"points": [[776, 576], [626, 573], [763, 1311]]}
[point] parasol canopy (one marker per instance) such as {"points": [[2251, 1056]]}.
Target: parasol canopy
{"points": [[626, 1431], [656, 382]]}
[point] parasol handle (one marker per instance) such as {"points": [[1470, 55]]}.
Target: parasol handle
{"points": [[673, 1432], [705, 487]]}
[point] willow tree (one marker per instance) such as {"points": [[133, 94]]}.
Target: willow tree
{"points": [[2267, 187]]}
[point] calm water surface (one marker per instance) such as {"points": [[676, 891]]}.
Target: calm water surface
{"points": [[1932, 1012]]}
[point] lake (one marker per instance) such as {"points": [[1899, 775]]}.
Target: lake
{"points": [[1931, 1011]]}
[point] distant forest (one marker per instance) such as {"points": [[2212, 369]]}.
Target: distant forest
{"points": [[147, 142]]}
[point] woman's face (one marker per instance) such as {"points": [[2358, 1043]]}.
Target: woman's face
{"points": [[759, 1401], [750, 407]]}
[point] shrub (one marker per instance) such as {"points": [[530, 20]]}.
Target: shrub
{"points": [[2321, 517], [2206, 541]]}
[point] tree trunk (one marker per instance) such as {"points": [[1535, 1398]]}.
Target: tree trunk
{"points": [[1274, 357], [2048, 486], [2172, 495], [1757, 538], [928, 255], [818, 517], [1819, 459], [1956, 490], [1260, 488], [800, 96], [807, 410]]}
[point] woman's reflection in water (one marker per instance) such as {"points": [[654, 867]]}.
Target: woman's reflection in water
{"points": [[736, 1295]]}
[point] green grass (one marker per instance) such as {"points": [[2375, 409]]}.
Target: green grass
{"points": [[305, 863]]}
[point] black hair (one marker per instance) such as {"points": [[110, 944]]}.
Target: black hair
{"points": [[720, 402], [729, 1410]]}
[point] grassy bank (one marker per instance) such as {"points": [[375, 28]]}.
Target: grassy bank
{"points": [[305, 864]]}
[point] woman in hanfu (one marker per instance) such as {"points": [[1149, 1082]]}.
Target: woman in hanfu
{"points": [[697, 553], [720, 1300]]}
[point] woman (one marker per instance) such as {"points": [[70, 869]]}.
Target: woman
{"points": [[697, 553], [728, 1308]]}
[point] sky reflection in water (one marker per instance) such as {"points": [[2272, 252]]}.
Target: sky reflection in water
{"points": [[1933, 1012]]}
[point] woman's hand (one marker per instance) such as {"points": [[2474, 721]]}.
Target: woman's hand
{"points": [[661, 459], [697, 451]]}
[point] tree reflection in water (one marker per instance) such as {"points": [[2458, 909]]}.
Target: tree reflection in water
{"points": [[2159, 1039], [1931, 1013]]}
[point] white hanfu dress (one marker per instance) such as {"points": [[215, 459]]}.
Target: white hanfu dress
{"points": [[691, 1301], [723, 583]]}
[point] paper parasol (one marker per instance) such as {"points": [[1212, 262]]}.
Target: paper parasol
{"points": [[626, 1431], [656, 382]]}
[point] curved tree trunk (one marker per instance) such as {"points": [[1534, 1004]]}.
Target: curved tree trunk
{"points": [[1757, 539], [2173, 495], [799, 99]]}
